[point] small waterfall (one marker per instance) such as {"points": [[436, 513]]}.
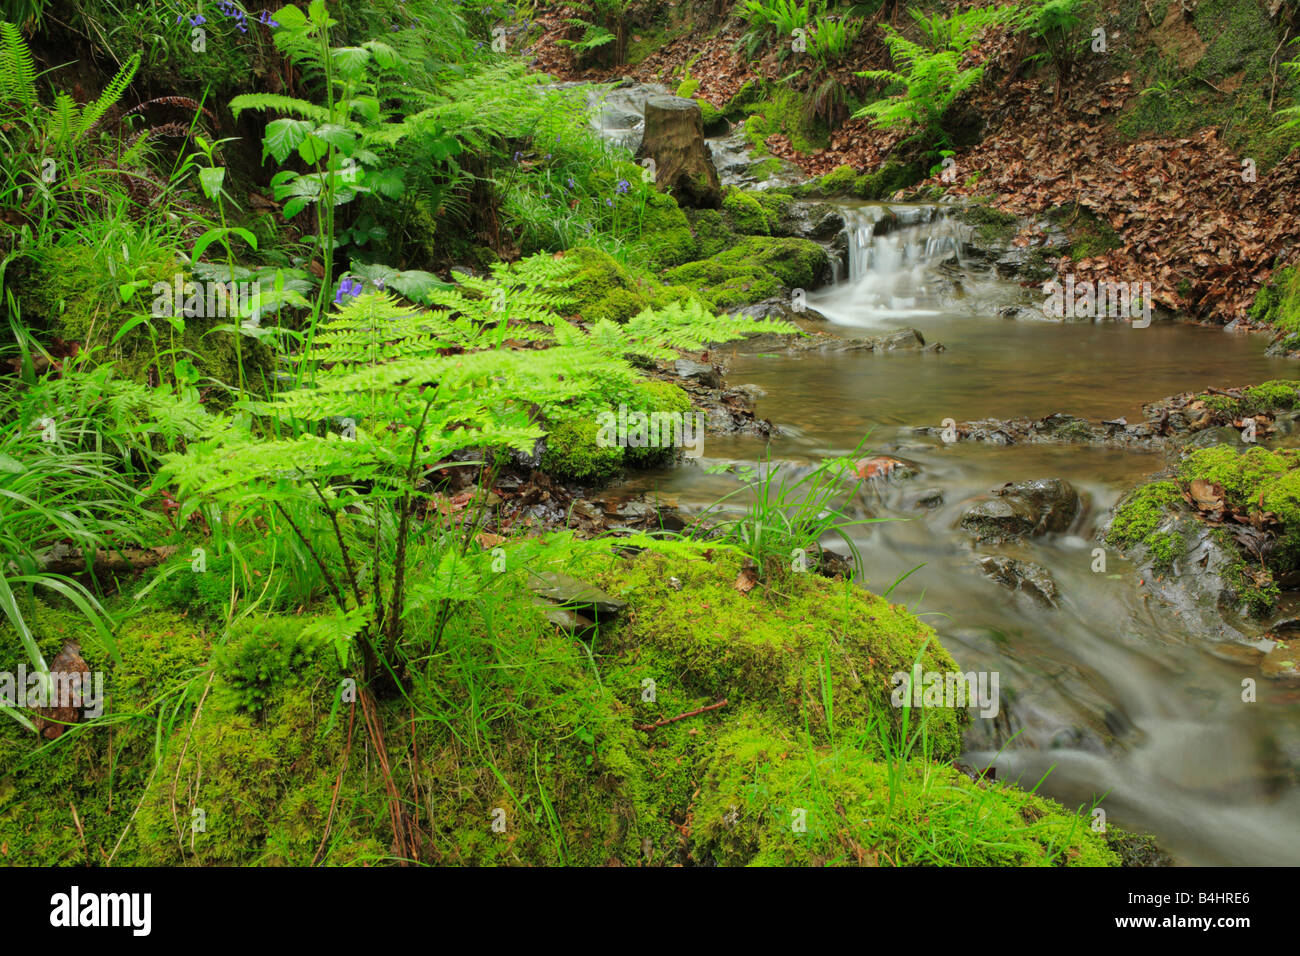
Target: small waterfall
{"points": [[901, 261]]}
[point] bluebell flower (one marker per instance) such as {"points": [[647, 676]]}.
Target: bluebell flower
{"points": [[518, 156], [348, 288], [609, 202], [623, 186], [571, 184]]}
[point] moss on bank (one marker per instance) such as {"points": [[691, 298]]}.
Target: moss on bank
{"points": [[608, 289], [754, 269], [181, 771], [881, 184]]}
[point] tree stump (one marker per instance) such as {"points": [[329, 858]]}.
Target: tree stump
{"points": [[674, 139]]}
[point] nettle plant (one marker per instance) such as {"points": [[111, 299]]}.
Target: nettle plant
{"points": [[394, 394]]}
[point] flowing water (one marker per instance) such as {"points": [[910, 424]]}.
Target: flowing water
{"points": [[1106, 694]]}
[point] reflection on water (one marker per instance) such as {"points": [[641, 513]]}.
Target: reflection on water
{"points": [[1107, 692]]}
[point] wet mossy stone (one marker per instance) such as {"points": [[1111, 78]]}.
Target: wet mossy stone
{"points": [[574, 452], [754, 269]]}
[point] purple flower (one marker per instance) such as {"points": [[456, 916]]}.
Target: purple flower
{"points": [[518, 156], [623, 186], [609, 202], [264, 18], [348, 288], [570, 183]]}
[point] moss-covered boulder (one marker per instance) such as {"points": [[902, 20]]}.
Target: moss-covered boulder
{"points": [[608, 289], [258, 754], [756, 268]]}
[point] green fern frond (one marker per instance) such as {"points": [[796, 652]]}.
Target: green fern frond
{"points": [[17, 68]]}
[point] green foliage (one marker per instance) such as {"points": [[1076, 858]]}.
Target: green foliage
{"points": [[409, 391], [1278, 302], [262, 655], [774, 21], [787, 517]]}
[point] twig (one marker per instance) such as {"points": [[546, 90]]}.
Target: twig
{"points": [[338, 784], [180, 761], [672, 720]]}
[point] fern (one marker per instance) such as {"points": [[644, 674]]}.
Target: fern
{"points": [[17, 69], [417, 389]]}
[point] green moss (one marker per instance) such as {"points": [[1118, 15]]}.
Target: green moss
{"points": [[1139, 516], [783, 112], [73, 292], [1242, 476], [744, 214], [771, 799], [1278, 302], [665, 232], [888, 179], [776, 206], [1089, 235], [100, 768], [574, 453], [558, 758], [754, 269], [712, 233], [776, 652], [656, 396], [991, 225], [840, 181]]}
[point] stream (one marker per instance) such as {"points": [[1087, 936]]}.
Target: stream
{"points": [[1108, 693]]}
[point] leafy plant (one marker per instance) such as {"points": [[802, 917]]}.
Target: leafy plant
{"points": [[419, 391]]}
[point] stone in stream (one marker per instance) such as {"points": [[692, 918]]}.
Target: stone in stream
{"points": [[1021, 510], [570, 593], [692, 371], [1032, 580], [674, 139]]}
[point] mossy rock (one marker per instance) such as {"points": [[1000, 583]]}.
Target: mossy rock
{"points": [[712, 234], [665, 232], [756, 268], [990, 225], [881, 184], [72, 294], [650, 397], [1139, 517], [777, 653], [744, 214], [574, 453], [770, 799], [608, 289], [573, 776]]}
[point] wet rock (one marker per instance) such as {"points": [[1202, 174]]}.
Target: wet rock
{"points": [[1032, 580], [570, 593], [897, 340], [1021, 510], [928, 499], [674, 139], [1195, 586], [707, 375], [1055, 428]]}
